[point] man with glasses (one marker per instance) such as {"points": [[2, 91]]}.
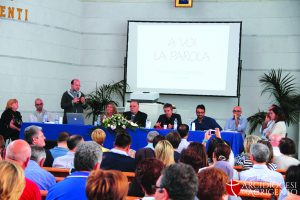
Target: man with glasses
{"points": [[40, 114], [203, 122], [237, 122]]}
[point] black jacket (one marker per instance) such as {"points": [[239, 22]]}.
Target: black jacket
{"points": [[140, 118]]}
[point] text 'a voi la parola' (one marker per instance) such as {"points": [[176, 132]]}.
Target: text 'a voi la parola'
{"points": [[13, 13]]}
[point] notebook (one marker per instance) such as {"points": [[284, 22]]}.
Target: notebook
{"points": [[75, 118]]}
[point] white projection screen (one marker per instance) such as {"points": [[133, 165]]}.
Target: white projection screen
{"points": [[188, 58]]}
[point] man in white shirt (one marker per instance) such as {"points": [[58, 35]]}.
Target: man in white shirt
{"points": [[183, 131], [40, 114]]}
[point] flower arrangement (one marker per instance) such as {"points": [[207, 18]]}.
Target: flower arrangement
{"points": [[118, 121]]}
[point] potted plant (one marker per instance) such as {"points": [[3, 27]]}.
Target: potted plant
{"points": [[285, 94]]}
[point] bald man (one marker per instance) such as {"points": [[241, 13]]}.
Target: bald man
{"points": [[19, 152], [237, 122]]}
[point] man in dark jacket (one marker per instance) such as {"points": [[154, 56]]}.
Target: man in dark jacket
{"points": [[135, 115]]}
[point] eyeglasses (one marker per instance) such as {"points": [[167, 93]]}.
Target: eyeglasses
{"points": [[156, 187], [236, 111], [39, 104]]}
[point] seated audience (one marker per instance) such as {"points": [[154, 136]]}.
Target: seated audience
{"points": [[183, 131], [212, 184], [88, 157], [177, 182], [200, 150], [164, 152], [146, 174], [175, 139], [118, 157], [98, 135], [144, 153], [259, 172], [110, 110], [67, 161], [106, 184], [150, 136], [270, 164], [62, 148], [157, 139], [292, 181], [19, 152], [203, 122], [168, 118], [192, 158], [279, 127], [135, 115], [34, 170], [275, 141], [40, 114], [287, 149], [34, 136], [268, 123], [12, 180], [244, 158], [237, 122]]}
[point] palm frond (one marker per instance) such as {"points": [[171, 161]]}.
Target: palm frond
{"points": [[256, 120]]}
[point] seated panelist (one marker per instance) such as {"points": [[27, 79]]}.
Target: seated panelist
{"points": [[168, 118], [135, 115]]}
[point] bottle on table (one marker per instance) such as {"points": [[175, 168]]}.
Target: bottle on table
{"points": [[175, 124]]}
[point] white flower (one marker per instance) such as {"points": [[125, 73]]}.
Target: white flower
{"points": [[108, 125], [124, 127], [133, 124], [113, 127]]}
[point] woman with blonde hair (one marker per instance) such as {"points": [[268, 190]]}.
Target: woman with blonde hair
{"points": [[12, 180], [106, 184], [110, 110], [11, 120], [164, 152], [98, 135]]}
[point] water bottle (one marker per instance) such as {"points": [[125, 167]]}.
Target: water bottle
{"points": [[56, 120], [175, 124], [148, 123], [45, 118], [99, 120], [193, 126]]}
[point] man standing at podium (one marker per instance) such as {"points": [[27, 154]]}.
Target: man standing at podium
{"points": [[135, 115], [168, 118], [73, 101]]}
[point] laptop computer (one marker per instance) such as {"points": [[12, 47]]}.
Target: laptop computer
{"points": [[75, 118]]}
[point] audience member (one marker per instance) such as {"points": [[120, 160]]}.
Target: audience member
{"points": [[118, 157], [98, 135], [244, 158], [150, 136], [279, 127], [62, 148], [164, 152], [88, 157], [174, 139], [191, 157], [106, 184], [157, 139], [237, 122], [168, 118], [11, 121], [275, 141], [135, 115], [200, 150], [12, 180], [288, 149], [19, 152], [183, 130], [73, 100], [34, 170], [268, 123], [34, 136], [67, 161], [144, 153], [110, 110], [292, 181], [259, 172], [270, 163], [177, 182], [40, 114], [203, 122], [212, 184]]}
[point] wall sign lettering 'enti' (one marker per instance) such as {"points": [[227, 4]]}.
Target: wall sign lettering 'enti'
{"points": [[11, 12]]}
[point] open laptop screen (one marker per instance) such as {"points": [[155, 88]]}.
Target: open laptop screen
{"points": [[75, 118]]}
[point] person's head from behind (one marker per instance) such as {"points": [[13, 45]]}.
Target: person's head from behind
{"points": [[259, 153], [38, 103], [151, 135], [147, 172], [123, 142], [34, 136], [98, 135], [275, 139], [12, 104], [144, 153], [212, 184], [168, 110], [164, 152], [292, 179], [38, 155], [106, 184], [212, 145], [12, 180], [157, 139], [271, 153], [249, 140], [221, 152], [19, 152], [75, 85], [74, 141], [174, 138], [88, 156], [287, 146], [177, 182], [200, 111], [192, 158], [201, 150], [111, 108], [62, 138], [183, 130], [134, 106], [277, 114]]}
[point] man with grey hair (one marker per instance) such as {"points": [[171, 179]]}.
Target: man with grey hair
{"points": [[150, 136], [259, 154], [34, 136], [40, 114], [177, 182], [34, 170], [88, 157]]}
